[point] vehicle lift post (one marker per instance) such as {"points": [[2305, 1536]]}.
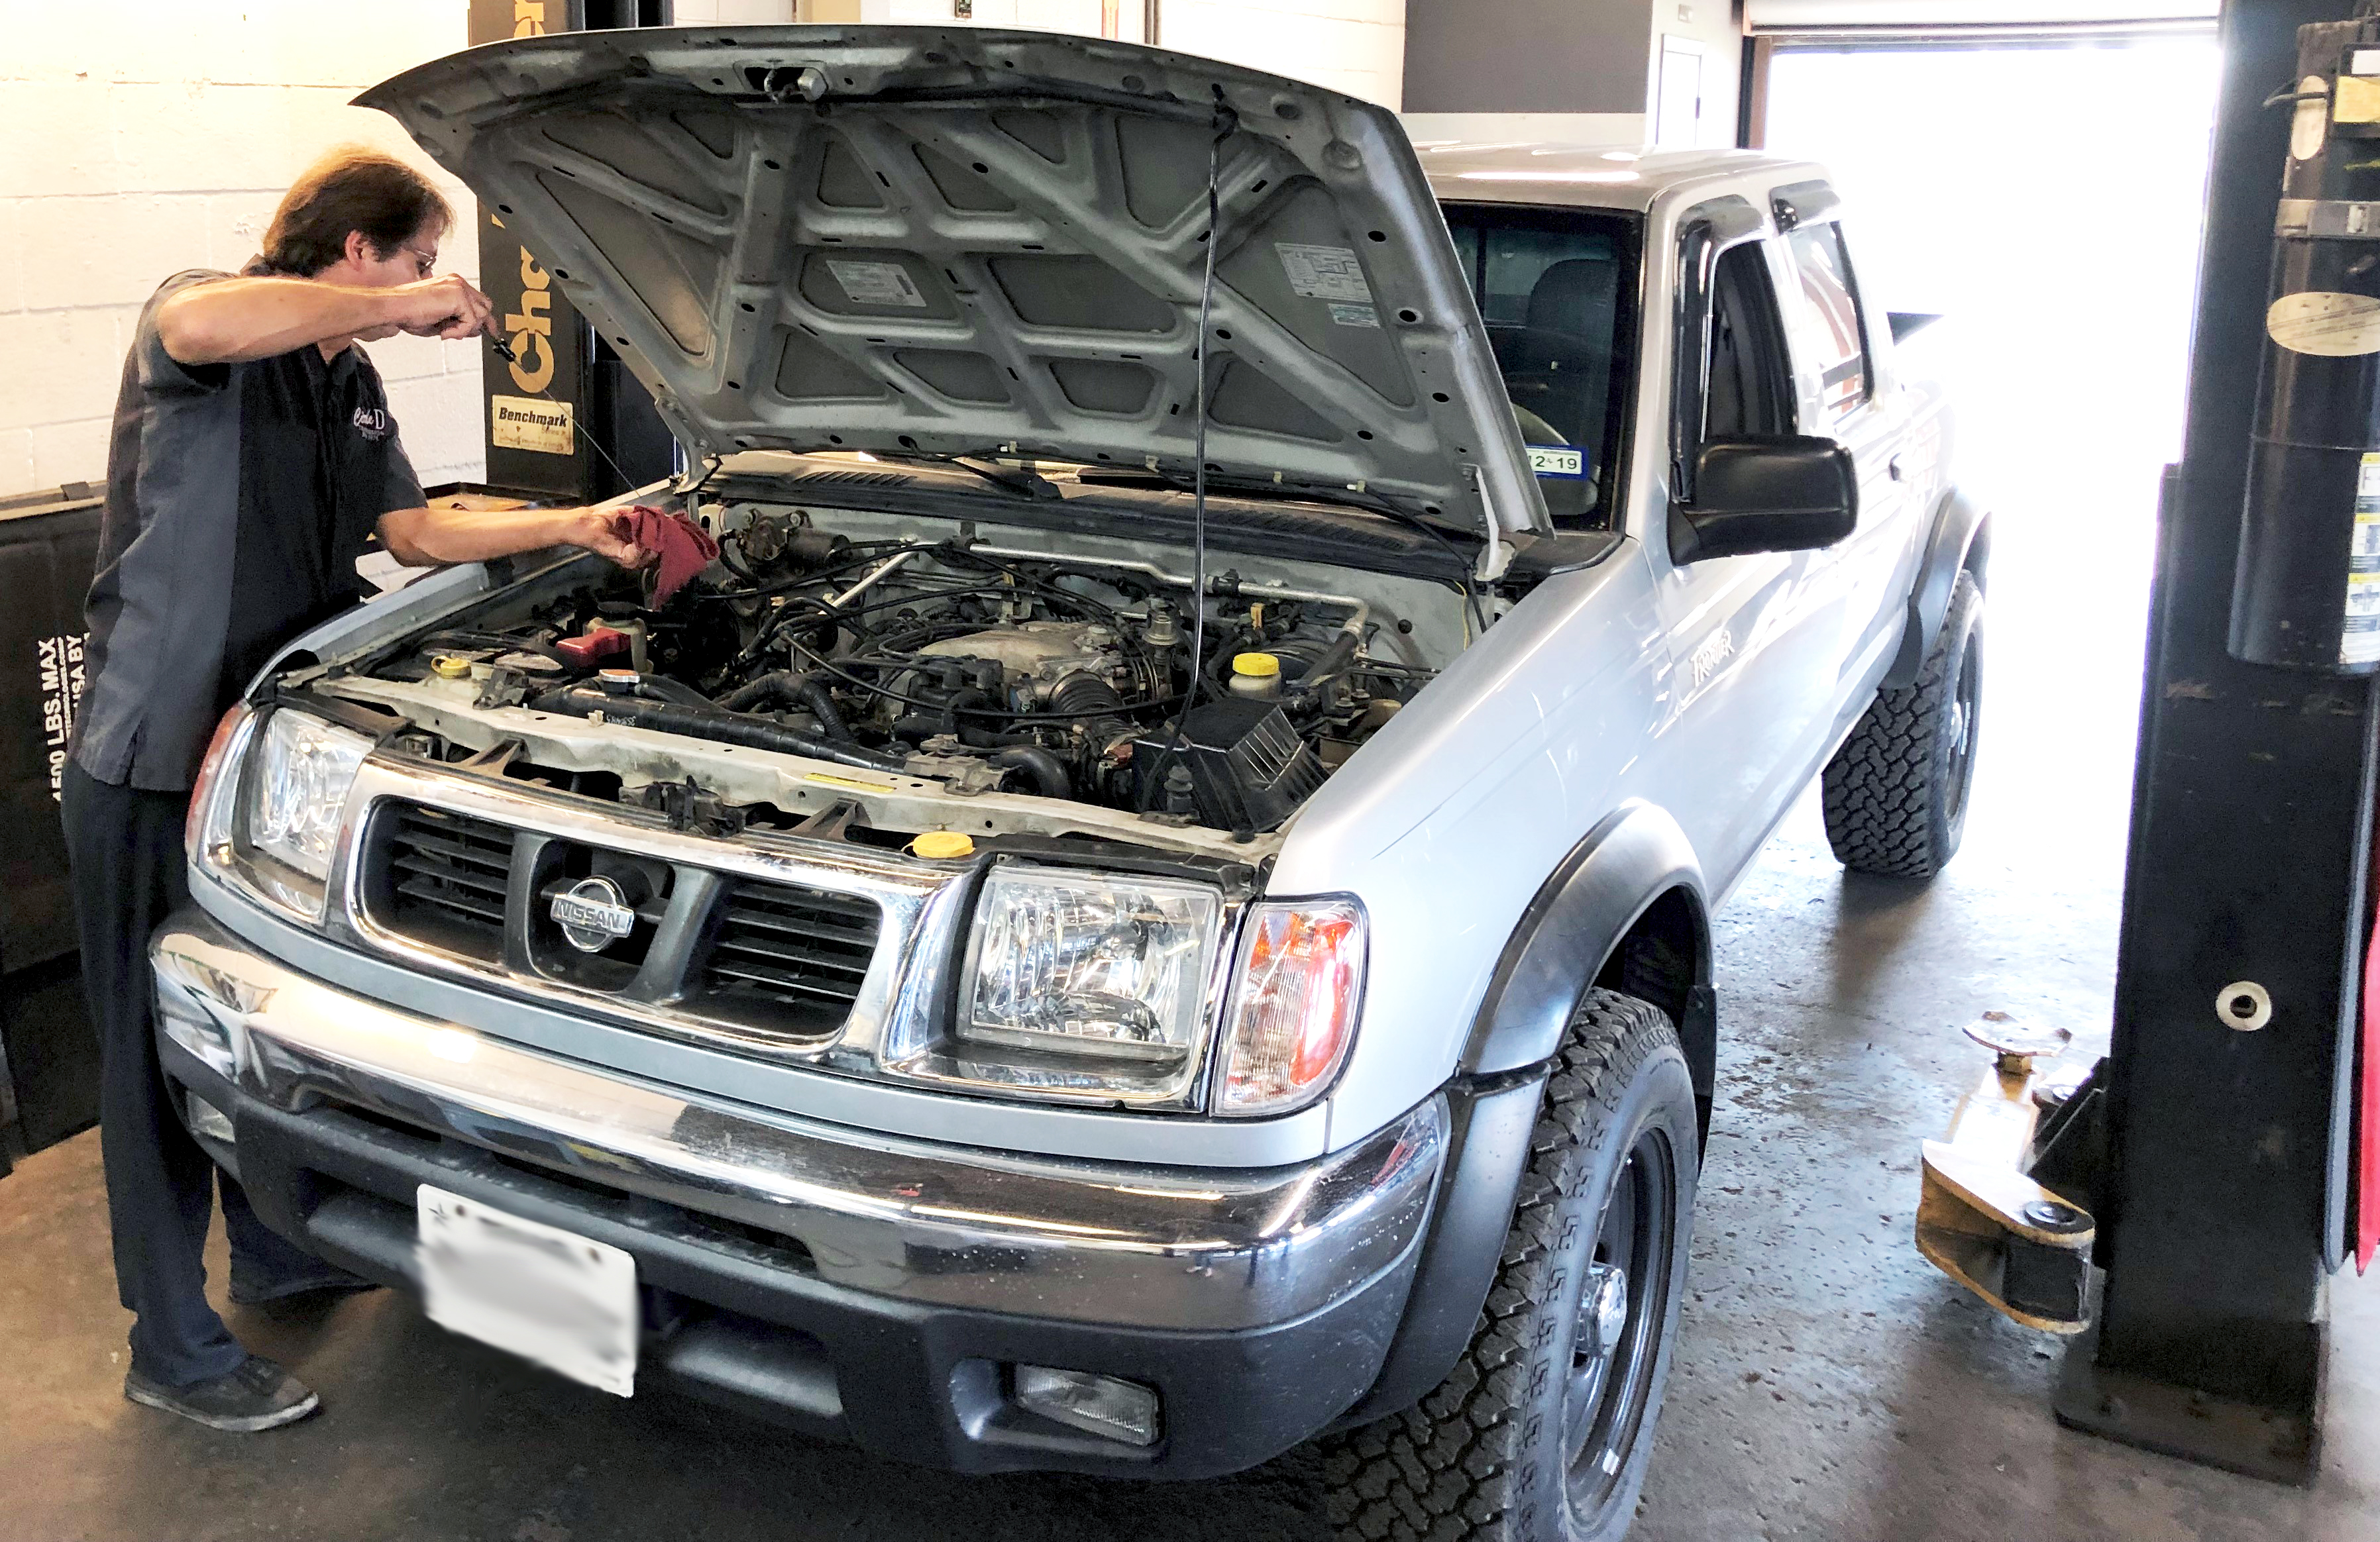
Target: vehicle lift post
{"points": [[2221, 1154]]}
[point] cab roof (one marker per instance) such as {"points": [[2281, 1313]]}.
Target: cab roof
{"points": [[1587, 175]]}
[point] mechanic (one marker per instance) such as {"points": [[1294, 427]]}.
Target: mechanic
{"points": [[251, 459]]}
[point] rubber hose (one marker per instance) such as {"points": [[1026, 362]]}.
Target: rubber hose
{"points": [[661, 688], [1329, 665], [1044, 770], [803, 689], [958, 699], [709, 722]]}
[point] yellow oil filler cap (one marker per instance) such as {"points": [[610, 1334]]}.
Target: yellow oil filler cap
{"points": [[942, 845], [445, 666]]}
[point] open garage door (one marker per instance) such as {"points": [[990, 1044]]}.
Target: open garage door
{"points": [[1788, 18], [1838, 25], [2065, 296]]}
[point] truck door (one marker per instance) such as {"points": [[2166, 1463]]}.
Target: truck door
{"points": [[1755, 641], [1850, 400]]}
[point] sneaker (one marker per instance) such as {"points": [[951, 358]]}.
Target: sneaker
{"points": [[247, 1291], [258, 1396]]}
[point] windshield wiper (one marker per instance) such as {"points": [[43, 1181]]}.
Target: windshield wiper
{"points": [[1009, 478], [1264, 488]]}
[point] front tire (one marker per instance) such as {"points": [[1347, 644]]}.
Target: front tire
{"points": [[1896, 793], [1543, 1431]]}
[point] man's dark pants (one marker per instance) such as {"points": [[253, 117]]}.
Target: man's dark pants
{"points": [[125, 845]]}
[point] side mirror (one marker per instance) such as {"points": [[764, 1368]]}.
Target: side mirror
{"points": [[1781, 492]]}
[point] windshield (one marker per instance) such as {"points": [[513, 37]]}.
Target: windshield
{"points": [[1558, 289]]}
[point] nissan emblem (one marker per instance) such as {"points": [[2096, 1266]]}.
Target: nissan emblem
{"points": [[593, 914]]}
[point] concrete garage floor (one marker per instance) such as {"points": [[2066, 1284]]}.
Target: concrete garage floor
{"points": [[1828, 1384]]}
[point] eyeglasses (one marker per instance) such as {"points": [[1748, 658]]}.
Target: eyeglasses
{"points": [[422, 261]]}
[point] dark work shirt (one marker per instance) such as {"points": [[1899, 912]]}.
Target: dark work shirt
{"points": [[239, 497]]}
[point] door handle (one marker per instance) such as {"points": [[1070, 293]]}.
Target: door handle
{"points": [[1893, 467]]}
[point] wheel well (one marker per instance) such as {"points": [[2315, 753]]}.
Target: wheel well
{"points": [[1979, 551], [1665, 957]]}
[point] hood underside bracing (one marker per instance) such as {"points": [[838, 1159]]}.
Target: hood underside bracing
{"points": [[910, 239]]}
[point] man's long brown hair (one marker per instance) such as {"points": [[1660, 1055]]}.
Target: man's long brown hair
{"points": [[353, 188]]}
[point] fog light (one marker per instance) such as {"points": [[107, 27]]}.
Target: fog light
{"points": [[1101, 1406], [210, 1120]]}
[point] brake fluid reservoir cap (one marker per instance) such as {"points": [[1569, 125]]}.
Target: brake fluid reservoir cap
{"points": [[942, 845], [1256, 666]]}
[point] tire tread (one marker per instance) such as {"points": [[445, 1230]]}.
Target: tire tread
{"points": [[1879, 792], [1444, 1469]]}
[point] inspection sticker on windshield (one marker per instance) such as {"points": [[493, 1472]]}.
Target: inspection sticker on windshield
{"points": [[1324, 273], [876, 283], [1557, 460]]}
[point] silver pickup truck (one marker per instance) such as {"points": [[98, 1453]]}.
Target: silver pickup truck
{"points": [[1153, 904]]}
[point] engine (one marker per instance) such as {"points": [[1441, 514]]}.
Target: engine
{"points": [[985, 668]]}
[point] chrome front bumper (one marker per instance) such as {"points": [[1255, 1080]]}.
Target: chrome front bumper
{"points": [[1104, 1244]]}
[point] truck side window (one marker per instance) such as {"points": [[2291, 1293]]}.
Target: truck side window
{"points": [[1751, 388], [1830, 322], [1558, 289]]}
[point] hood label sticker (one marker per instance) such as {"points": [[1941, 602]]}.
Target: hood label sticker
{"points": [[1325, 274], [1353, 316], [880, 283]]}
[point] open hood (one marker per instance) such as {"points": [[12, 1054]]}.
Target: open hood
{"points": [[911, 238]]}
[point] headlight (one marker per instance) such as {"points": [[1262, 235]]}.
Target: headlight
{"points": [[1296, 996], [300, 782], [265, 812], [1103, 965]]}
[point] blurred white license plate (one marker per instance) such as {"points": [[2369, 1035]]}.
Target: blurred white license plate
{"points": [[563, 1301]]}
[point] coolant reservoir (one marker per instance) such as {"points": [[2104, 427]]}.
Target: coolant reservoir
{"points": [[1256, 674]]}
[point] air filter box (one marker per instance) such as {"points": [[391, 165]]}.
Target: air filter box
{"points": [[1248, 769]]}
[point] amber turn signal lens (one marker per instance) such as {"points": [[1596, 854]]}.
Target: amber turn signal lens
{"points": [[1295, 1000]]}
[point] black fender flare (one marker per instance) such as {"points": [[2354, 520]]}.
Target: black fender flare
{"points": [[1962, 540], [1561, 946], [1633, 856]]}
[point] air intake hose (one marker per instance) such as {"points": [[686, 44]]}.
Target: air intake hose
{"points": [[1088, 694]]}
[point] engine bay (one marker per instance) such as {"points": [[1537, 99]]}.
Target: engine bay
{"points": [[1086, 673]]}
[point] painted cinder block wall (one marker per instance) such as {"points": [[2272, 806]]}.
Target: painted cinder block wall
{"points": [[139, 138], [144, 138]]}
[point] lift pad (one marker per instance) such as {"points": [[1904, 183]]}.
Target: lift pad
{"points": [[1983, 1219]]}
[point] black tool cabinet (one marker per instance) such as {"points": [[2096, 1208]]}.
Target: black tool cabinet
{"points": [[49, 1058]]}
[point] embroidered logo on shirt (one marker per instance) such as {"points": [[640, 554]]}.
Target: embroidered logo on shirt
{"points": [[373, 422]]}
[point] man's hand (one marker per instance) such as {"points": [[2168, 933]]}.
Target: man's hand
{"points": [[445, 307], [604, 534]]}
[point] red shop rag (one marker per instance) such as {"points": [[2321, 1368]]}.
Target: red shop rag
{"points": [[681, 548]]}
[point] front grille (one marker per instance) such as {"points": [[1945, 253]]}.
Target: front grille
{"points": [[442, 876], [787, 955], [779, 959]]}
